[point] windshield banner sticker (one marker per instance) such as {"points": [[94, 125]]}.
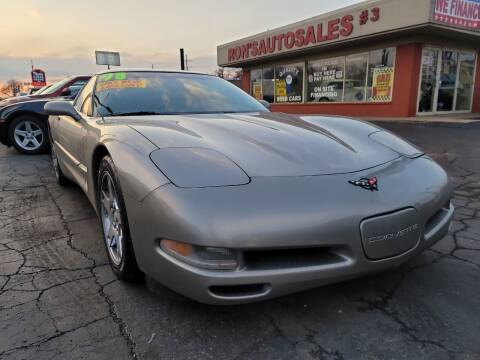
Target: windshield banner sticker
{"points": [[113, 76], [122, 84]]}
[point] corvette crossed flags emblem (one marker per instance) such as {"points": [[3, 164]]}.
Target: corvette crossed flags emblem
{"points": [[366, 183]]}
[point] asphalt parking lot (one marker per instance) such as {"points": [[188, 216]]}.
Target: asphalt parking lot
{"points": [[59, 299]]}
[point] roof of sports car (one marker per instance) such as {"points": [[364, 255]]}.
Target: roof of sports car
{"points": [[150, 70]]}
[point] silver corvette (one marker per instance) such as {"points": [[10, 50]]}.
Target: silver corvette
{"points": [[202, 188]]}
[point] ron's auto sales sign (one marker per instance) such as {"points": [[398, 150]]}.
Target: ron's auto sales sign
{"points": [[307, 35], [38, 78], [464, 13]]}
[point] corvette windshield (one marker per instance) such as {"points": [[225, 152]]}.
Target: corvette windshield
{"points": [[161, 93]]}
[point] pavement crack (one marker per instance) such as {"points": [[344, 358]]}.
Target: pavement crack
{"points": [[68, 230], [37, 344], [122, 325]]}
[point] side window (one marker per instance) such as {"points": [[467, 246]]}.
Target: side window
{"points": [[86, 91], [79, 83]]}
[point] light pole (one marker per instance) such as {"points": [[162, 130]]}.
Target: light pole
{"points": [[182, 59]]}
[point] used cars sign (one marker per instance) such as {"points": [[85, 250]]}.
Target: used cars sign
{"points": [[38, 78]]}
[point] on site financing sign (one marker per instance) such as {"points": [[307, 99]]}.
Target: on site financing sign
{"points": [[465, 13]]}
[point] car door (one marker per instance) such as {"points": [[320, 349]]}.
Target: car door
{"points": [[70, 136]]}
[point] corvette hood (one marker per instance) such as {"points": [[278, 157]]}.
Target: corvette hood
{"points": [[272, 144]]}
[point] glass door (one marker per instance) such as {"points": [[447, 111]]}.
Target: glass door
{"points": [[428, 83], [447, 81], [466, 76]]}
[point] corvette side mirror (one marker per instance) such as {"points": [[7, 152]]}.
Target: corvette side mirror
{"points": [[61, 108], [265, 103]]}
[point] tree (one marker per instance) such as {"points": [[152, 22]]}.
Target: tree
{"points": [[237, 74], [11, 88], [219, 72]]}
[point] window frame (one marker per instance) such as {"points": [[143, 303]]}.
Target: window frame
{"points": [[364, 100], [92, 80], [394, 63]]}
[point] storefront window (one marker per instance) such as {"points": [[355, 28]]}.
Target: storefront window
{"points": [[289, 83], [380, 75], [325, 80], [256, 84], [355, 78], [465, 81], [268, 84], [347, 79]]}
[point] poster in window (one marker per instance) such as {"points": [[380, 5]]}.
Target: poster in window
{"points": [[289, 84], [382, 87], [257, 91], [325, 80], [280, 89]]}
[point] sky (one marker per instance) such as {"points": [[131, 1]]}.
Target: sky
{"points": [[61, 36]]}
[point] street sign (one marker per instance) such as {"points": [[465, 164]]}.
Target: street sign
{"points": [[107, 58], [38, 78]]}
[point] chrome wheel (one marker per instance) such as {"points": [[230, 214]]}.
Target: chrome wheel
{"points": [[111, 219], [28, 135]]}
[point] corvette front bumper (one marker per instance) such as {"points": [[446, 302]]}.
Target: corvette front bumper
{"points": [[292, 233]]}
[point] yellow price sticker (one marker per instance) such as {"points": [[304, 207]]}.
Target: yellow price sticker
{"points": [[122, 84]]}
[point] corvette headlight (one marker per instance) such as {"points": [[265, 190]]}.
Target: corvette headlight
{"points": [[397, 144], [205, 257]]}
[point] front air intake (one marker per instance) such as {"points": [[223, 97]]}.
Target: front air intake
{"points": [[235, 291]]}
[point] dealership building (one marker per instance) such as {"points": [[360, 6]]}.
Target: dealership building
{"points": [[388, 58]]}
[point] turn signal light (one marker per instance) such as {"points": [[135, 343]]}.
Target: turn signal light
{"points": [[206, 257], [179, 248]]}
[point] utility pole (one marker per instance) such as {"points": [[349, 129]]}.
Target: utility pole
{"points": [[31, 62], [182, 59]]}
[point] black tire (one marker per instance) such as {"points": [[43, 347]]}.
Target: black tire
{"points": [[42, 139], [127, 269]]}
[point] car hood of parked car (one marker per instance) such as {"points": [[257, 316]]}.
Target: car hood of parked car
{"points": [[21, 99], [18, 99], [270, 144]]}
